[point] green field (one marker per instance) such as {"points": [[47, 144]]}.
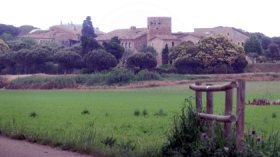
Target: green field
{"points": [[59, 121]]}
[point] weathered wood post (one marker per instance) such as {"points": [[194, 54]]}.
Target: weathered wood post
{"points": [[209, 110], [240, 110], [228, 111], [198, 98]]}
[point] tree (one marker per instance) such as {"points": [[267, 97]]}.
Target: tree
{"points": [[149, 49], [99, 60], [183, 49], [88, 30], [265, 40], [9, 29], [88, 41], [188, 65], [3, 46], [253, 45], [273, 52], [68, 60], [276, 40], [140, 61], [209, 55], [164, 55], [114, 47]]}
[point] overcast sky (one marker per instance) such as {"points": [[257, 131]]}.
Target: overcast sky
{"points": [[249, 15]]}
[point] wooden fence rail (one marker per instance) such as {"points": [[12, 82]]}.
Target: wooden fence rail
{"points": [[227, 118]]}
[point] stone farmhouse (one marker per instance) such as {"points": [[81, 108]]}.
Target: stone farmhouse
{"points": [[63, 34], [158, 34]]}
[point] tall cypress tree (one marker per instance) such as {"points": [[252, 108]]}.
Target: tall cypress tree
{"points": [[88, 41], [164, 55]]}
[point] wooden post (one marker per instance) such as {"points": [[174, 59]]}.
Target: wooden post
{"points": [[198, 99], [240, 114], [228, 111], [209, 110]]}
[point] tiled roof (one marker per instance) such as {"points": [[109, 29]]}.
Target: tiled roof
{"points": [[195, 34], [124, 34], [165, 37]]}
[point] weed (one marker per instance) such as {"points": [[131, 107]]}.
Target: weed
{"points": [[160, 113], [85, 111], [274, 115], [33, 114], [136, 112], [127, 146], [109, 141], [145, 112]]}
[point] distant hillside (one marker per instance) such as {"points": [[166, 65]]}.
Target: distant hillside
{"points": [[25, 29]]}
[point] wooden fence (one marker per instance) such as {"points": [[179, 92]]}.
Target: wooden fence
{"points": [[228, 118]]}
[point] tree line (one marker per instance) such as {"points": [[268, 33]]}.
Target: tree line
{"points": [[24, 56]]}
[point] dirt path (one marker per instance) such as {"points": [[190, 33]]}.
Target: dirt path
{"points": [[16, 148]]}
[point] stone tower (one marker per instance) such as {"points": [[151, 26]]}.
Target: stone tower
{"points": [[159, 26]]}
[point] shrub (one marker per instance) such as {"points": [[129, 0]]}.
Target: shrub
{"points": [[145, 112], [144, 75], [188, 65], [85, 111], [166, 68], [136, 113], [140, 61], [68, 60], [239, 64], [119, 75], [99, 60], [33, 114]]}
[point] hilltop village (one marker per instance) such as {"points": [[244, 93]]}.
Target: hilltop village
{"points": [[157, 34]]}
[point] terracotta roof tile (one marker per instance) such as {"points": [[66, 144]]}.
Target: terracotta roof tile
{"points": [[124, 34]]}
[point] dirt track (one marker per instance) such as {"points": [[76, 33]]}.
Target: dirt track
{"points": [[16, 148]]}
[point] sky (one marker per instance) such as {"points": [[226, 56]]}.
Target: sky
{"points": [[107, 15]]}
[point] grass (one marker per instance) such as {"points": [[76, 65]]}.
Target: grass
{"points": [[103, 121]]}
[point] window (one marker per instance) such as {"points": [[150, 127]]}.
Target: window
{"points": [[129, 45], [238, 43], [173, 44], [242, 44], [228, 34]]}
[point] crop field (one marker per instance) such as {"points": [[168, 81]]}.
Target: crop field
{"points": [[115, 122]]}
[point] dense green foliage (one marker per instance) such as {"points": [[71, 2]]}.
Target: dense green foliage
{"points": [[99, 60], [68, 60], [149, 49], [273, 51], [140, 61], [114, 47], [209, 55], [253, 45], [9, 29], [181, 50], [165, 54], [88, 41]]}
